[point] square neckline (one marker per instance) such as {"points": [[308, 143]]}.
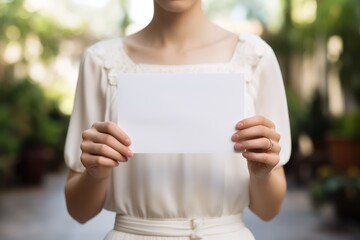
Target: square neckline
{"points": [[129, 60]]}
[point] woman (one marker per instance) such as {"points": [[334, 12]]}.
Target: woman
{"points": [[178, 196]]}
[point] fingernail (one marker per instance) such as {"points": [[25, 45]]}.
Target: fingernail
{"points": [[130, 153], [235, 137], [238, 146], [128, 141], [239, 125]]}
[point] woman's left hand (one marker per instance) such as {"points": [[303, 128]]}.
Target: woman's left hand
{"points": [[258, 141]]}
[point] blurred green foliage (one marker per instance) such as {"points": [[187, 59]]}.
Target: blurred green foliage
{"points": [[339, 18], [342, 18], [50, 33], [253, 9], [28, 112], [341, 191], [347, 126], [28, 118], [27, 115]]}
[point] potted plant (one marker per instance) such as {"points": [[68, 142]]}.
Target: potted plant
{"points": [[344, 141], [32, 134], [340, 190], [39, 147]]}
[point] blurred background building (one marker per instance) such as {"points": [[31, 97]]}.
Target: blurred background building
{"points": [[318, 47]]}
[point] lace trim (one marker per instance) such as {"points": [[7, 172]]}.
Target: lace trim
{"points": [[246, 57]]}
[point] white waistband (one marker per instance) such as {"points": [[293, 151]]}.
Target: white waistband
{"points": [[195, 228]]}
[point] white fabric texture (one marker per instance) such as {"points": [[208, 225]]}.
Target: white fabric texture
{"points": [[177, 186], [196, 228]]}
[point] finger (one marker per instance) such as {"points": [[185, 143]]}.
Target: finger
{"points": [[91, 161], [253, 121], [102, 150], [258, 145], [114, 130], [269, 159], [254, 132], [109, 140]]}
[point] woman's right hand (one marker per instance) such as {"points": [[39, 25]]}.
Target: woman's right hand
{"points": [[104, 145]]}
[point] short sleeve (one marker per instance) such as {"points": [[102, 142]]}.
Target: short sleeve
{"points": [[271, 99], [88, 108]]}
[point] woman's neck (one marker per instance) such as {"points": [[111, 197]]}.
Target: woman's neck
{"points": [[179, 30], [180, 33]]}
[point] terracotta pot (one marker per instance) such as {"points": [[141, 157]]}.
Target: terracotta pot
{"points": [[344, 153]]}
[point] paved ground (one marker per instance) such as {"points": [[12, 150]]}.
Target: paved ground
{"points": [[39, 213]]}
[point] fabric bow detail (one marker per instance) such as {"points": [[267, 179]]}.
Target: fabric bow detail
{"points": [[196, 225]]}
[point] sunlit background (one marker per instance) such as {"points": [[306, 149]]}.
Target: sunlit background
{"points": [[317, 44]]}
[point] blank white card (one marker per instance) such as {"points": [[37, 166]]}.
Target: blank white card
{"points": [[180, 113]]}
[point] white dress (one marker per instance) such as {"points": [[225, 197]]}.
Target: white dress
{"points": [[177, 196]]}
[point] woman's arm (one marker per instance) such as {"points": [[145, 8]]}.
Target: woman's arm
{"points": [[85, 195], [103, 147], [267, 194], [258, 141]]}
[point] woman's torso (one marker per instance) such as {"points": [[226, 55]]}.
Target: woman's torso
{"points": [[179, 185]]}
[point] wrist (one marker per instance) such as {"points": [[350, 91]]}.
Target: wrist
{"points": [[260, 177], [94, 179]]}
